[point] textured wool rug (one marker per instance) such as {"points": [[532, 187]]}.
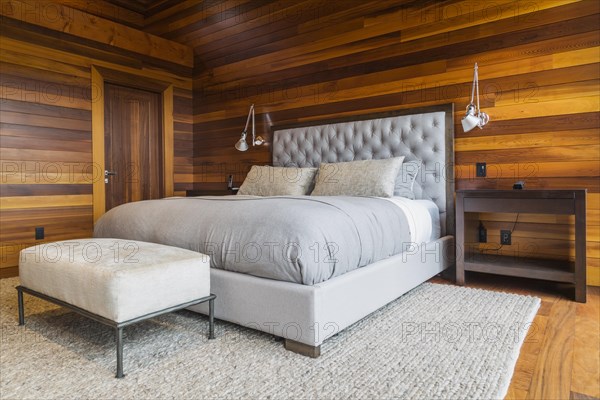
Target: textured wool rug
{"points": [[437, 341]]}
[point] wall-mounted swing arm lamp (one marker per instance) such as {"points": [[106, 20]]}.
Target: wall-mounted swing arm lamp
{"points": [[241, 144], [474, 117]]}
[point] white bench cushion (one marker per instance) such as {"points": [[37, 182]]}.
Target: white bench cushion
{"points": [[116, 279]]}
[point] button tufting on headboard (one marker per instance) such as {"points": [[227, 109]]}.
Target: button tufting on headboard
{"points": [[417, 136]]}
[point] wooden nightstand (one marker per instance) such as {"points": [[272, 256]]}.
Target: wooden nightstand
{"points": [[567, 202]]}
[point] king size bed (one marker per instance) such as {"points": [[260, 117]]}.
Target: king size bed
{"points": [[306, 267]]}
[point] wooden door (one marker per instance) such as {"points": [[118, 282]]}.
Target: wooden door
{"points": [[133, 145]]}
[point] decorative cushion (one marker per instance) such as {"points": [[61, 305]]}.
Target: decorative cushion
{"points": [[358, 178], [278, 181], [406, 179], [114, 278]]}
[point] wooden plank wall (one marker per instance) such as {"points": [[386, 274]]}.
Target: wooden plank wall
{"points": [[311, 59], [305, 60], [45, 114]]}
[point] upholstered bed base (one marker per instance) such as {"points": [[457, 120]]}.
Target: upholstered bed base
{"points": [[307, 315], [311, 314]]}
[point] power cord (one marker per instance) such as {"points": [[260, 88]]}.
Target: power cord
{"points": [[511, 232]]}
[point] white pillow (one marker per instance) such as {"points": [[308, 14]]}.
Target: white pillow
{"points": [[278, 181], [406, 179], [358, 178]]}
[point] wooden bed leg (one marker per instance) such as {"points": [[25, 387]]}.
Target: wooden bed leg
{"points": [[303, 349]]}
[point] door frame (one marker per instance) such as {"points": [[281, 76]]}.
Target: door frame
{"points": [[100, 76]]}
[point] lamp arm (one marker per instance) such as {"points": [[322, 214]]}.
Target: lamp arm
{"points": [[473, 85], [250, 113], [253, 125], [476, 84]]}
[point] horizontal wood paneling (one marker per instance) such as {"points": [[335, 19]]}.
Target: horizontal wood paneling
{"points": [[306, 60], [538, 66], [61, 223], [46, 96], [80, 24]]}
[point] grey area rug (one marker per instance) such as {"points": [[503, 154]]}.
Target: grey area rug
{"points": [[437, 341]]}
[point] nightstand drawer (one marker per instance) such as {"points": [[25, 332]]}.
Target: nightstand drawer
{"points": [[518, 205]]}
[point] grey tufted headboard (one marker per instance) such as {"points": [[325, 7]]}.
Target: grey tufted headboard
{"points": [[426, 134]]}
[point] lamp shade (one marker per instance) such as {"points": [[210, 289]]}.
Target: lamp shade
{"points": [[241, 144], [469, 122]]}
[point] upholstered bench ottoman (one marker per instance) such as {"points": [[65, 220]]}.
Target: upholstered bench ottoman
{"points": [[116, 282]]}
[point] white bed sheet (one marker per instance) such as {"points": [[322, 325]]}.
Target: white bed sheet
{"points": [[423, 218]]}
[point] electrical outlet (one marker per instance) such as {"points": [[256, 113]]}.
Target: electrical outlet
{"points": [[481, 169], [505, 237], [39, 233]]}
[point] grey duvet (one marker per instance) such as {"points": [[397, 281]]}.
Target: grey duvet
{"points": [[304, 239]]}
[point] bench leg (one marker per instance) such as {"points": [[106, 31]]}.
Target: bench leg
{"points": [[21, 307], [211, 319], [119, 332]]}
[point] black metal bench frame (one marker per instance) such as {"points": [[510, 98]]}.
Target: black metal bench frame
{"points": [[118, 326]]}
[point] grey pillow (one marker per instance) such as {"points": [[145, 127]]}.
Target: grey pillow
{"points": [[358, 178], [406, 179], [278, 181]]}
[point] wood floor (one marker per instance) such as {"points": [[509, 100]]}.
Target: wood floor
{"points": [[560, 358]]}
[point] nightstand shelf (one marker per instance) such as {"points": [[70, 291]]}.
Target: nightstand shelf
{"points": [[469, 203]]}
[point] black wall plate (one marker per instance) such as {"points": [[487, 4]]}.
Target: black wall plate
{"points": [[505, 237], [481, 169]]}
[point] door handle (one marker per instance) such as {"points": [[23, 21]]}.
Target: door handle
{"points": [[108, 173]]}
